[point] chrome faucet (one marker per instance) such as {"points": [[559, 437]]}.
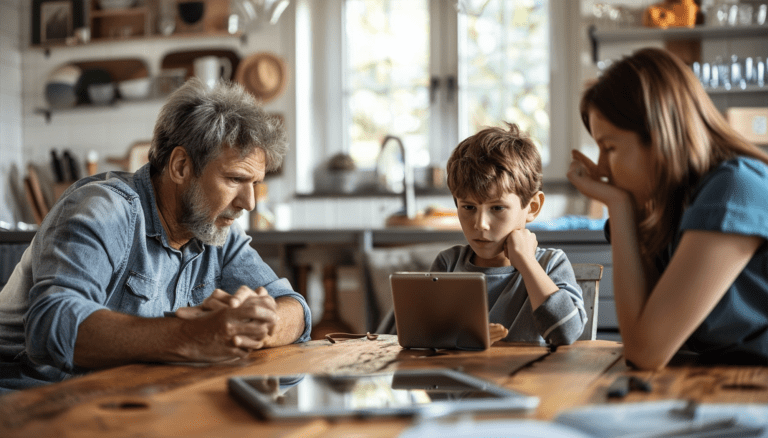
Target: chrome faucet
{"points": [[409, 194]]}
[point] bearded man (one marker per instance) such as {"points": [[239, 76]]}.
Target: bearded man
{"points": [[119, 251]]}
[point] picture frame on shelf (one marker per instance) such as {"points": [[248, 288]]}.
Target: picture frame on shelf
{"points": [[53, 21], [56, 21]]}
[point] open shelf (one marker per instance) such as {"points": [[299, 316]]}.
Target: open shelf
{"points": [[677, 33], [671, 34]]}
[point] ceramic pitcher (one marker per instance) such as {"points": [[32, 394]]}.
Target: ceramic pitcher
{"points": [[212, 68]]}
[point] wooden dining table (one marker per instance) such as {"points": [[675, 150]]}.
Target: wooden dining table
{"points": [[192, 400]]}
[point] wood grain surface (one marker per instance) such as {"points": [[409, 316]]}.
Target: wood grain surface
{"points": [[157, 400]]}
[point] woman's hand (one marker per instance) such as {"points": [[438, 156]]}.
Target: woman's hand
{"points": [[497, 332], [588, 179]]}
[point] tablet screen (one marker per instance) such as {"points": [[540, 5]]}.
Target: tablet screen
{"points": [[399, 393]]}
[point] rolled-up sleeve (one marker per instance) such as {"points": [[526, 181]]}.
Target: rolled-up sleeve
{"points": [[78, 252]]}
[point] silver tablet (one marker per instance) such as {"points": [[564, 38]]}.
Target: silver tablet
{"points": [[441, 310], [434, 392]]}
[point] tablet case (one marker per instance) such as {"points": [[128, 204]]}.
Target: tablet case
{"points": [[441, 310]]}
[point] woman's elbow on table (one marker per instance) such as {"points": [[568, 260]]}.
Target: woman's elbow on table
{"points": [[644, 355]]}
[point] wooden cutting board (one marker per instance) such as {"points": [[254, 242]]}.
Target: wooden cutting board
{"points": [[31, 201], [37, 192]]}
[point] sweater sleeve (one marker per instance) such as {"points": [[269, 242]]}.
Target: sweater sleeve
{"points": [[561, 318]]}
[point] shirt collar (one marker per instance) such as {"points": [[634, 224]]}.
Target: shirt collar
{"points": [[146, 193], [152, 221]]}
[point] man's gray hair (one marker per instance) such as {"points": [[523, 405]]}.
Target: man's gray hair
{"points": [[202, 119]]}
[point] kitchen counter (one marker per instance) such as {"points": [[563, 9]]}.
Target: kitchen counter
{"points": [[292, 253], [369, 238]]}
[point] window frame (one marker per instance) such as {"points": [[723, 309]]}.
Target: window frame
{"points": [[322, 115]]}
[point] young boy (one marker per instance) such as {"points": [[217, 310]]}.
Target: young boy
{"points": [[495, 179]]}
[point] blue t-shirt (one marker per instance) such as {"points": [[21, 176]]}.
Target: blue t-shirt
{"points": [[733, 199]]}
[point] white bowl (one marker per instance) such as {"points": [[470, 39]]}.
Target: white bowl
{"points": [[134, 89], [101, 94], [116, 4]]}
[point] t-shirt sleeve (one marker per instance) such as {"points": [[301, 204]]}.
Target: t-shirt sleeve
{"points": [[732, 200], [561, 318]]}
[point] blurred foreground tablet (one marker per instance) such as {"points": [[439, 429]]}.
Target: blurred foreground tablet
{"points": [[441, 310], [434, 392]]}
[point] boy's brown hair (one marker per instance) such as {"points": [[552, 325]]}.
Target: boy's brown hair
{"points": [[494, 162]]}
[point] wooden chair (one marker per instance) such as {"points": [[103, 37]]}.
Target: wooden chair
{"points": [[588, 277]]}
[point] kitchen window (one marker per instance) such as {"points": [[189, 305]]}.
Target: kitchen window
{"points": [[431, 72]]}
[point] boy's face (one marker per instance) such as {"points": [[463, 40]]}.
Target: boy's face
{"points": [[486, 225]]}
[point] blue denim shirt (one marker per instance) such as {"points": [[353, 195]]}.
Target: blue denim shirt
{"points": [[102, 246]]}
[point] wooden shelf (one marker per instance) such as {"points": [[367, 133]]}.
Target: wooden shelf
{"points": [[121, 23], [683, 38], [127, 12], [677, 33], [156, 37], [49, 112], [737, 90]]}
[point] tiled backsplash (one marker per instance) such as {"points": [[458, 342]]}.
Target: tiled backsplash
{"points": [[10, 105], [328, 213]]}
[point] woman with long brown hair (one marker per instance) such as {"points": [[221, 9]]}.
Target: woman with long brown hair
{"points": [[687, 199]]}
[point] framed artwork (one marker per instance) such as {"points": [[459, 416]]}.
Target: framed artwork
{"points": [[53, 21]]}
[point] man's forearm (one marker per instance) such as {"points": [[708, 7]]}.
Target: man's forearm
{"points": [[109, 338], [290, 324]]}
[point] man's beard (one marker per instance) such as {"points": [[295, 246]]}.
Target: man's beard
{"points": [[196, 217]]}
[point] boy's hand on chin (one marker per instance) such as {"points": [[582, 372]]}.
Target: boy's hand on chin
{"points": [[519, 245]]}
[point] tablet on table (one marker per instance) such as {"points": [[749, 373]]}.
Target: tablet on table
{"points": [[399, 393], [441, 310]]}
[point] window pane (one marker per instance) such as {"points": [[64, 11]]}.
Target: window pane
{"points": [[387, 44], [504, 68]]}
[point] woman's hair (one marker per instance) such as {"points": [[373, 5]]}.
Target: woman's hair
{"points": [[203, 119], [494, 162], [655, 95]]}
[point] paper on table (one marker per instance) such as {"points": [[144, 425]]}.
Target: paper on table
{"points": [[612, 420], [492, 429], [609, 420]]}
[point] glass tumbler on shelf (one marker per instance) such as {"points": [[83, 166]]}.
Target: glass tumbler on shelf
{"points": [[720, 16], [761, 17], [745, 14], [737, 76], [166, 23], [705, 75], [749, 71], [733, 15]]}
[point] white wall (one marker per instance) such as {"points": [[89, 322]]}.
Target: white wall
{"points": [[110, 131], [10, 111]]}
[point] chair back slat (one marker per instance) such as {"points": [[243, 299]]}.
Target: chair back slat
{"points": [[588, 277]]}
